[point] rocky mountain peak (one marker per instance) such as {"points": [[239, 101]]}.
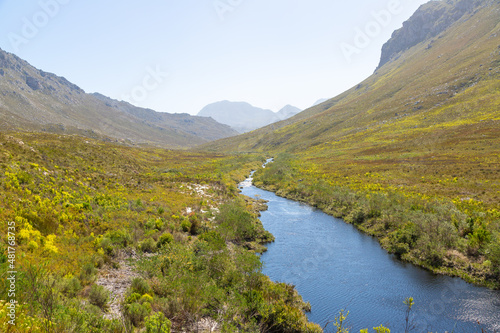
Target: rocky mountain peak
{"points": [[430, 20]]}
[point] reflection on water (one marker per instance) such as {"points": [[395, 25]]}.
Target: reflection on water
{"points": [[334, 267]]}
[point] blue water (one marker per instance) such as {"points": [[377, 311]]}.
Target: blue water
{"points": [[334, 266]]}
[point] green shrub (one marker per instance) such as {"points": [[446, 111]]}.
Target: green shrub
{"points": [[132, 298], [146, 298], [235, 222], [87, 275], [136, 313], [148, 245], [166, 238], [356, 216], [403, 240], [71, 287], [120, 237], [107, 246], [186, 225], [494, 255], [140, 286], [195, 225], [157, 323], [98, 296]]}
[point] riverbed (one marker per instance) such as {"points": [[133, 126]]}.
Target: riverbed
{"points": [[334, 266]]}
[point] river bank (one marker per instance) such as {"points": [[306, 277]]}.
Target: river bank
{"points": [[431, 234]]}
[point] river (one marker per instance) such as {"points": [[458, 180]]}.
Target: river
{"points": [[334, 266]]}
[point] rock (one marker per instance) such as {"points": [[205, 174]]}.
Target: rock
{"points": [[428, 22], [32, 83]]}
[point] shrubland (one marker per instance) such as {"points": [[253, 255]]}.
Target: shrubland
{"points": [[83, 208]]}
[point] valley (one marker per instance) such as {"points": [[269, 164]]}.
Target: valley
{"points": [[119, 218]]}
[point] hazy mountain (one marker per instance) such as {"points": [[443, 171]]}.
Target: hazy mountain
{"points": [[31, 99], [244, 117], [287, 112], [319, 101]]}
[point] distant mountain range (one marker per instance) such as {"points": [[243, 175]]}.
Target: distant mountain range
{"points": [[34, 100], [243, 117]]}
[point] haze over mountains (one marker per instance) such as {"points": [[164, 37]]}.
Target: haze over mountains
{"points": [[32, 99], [244, 117]]}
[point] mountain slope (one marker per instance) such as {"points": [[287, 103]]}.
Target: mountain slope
{"points": [[424, 88], [244, 117], [31, 99]]}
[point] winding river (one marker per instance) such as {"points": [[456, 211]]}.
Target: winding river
{"points": [[334, 266]]}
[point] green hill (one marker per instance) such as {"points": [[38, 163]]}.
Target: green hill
{"points": [[423, 129]]}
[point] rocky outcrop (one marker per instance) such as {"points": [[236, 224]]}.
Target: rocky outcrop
{"points": [[427, 22]]}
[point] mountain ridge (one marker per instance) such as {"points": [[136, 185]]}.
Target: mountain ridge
{"points": [[32, 99], [430, 20]]}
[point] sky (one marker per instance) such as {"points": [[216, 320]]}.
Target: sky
{"points": [[178, 56]]}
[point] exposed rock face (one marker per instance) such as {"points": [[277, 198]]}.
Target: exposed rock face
{"points": [[428, 21], [32, 83]]}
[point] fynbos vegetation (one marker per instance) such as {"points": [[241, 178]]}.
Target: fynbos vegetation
{"points": [[170, 225]]}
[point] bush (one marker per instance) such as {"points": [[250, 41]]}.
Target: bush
{"points": [[148, 245], [494, 255], [356, 216], [140, 286], [87, 275], [98, 296], [166, 238], [120, 237], [186, 226], [107, 246], [71, 287], [158, 323], [403, 240], [136, 313], [195, 225], [236, 223]]}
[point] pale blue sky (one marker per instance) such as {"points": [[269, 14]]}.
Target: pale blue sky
{"points": [[266, 52]]}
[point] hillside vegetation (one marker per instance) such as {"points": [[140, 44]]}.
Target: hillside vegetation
{"points": [[410, 155], [116, 239]]}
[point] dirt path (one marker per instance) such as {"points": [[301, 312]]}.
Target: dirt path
{"points": [[117, 282]]}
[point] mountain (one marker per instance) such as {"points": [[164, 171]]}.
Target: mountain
{"points": [[244, 117], [287, 112], [319, 101], [435, 83], [428, 22], [31, 99]]}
